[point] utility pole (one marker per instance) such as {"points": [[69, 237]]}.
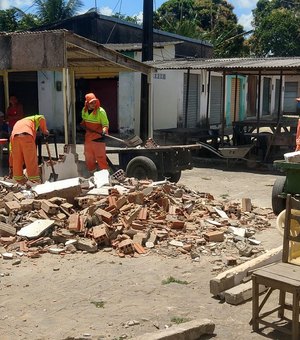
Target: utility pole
{"points": [[147, 54]]}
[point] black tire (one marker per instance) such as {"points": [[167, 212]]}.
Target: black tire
{"points": [[173, 176], [141, 167], [278, 203]]}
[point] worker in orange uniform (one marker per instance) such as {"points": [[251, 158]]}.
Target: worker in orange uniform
{"points": [[23, 148], [95, 123], [14, 112]]}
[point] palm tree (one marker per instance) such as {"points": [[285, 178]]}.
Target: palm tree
{"points": [[50, 11]]}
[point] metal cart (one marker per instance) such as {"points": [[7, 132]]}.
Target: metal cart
{"points": [[155, 163], [288, 184]]}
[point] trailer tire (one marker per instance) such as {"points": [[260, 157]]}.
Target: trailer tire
{"points": [[142, 167], [278, 203], [173, 176]]}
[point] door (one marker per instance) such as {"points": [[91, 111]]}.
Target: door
{"points": [[191, 108], [252, 96], [216, 101], [235, 100], [266, 104], [290, 95], [277, 96], [107, 92]]}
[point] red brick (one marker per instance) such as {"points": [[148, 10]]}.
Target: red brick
{"points": [[139, 249], [126, 246], [143, 214], [214, 236], [121, 201], [112, 201], [177, 224], [12, 206], [74, 222], [104, 215]]}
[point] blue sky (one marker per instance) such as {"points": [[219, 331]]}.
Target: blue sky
{"points": [[242, 8]]}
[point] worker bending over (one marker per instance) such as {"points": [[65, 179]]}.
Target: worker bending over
{"points": [[23, 148], [95, 123]]}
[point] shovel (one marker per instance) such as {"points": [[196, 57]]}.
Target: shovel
{"points": [[53, 176], [132, 141]]}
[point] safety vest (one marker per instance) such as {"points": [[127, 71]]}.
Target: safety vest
{"points": [[94, 122]]}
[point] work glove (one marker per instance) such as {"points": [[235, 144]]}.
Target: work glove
{"points": [[104, 131]]}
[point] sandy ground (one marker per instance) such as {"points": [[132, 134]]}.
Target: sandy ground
{"points": [[102, 296]]}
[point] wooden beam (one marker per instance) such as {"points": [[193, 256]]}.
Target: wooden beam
{"points": [[107, 54]]}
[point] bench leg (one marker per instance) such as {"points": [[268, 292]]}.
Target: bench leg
{"points": [[281, 304], [255, 304], [295, 326]]}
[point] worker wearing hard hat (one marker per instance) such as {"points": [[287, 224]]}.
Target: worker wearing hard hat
{"points": [[95, 123], [23, 148]]}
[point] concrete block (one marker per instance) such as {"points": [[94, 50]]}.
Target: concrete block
{"points": [[234, 276], [191, 330], [241, 293]]}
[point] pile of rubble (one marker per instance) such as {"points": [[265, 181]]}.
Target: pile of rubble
{"points": [[129, 218]]}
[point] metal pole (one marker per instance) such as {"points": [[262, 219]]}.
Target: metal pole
{"points": [[147, 54], [208, 98], [187, 97], [223, 108], [235, 96], [258, 104], [280, 94]]}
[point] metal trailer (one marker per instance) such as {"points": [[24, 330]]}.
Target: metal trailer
{"points": [[288, 184], [154, 163]]}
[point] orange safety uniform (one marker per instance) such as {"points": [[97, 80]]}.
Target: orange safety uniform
{"points": [[95, 122], [23, 147]]}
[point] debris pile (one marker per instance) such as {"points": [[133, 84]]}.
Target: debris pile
{"points": [[129, 218]]}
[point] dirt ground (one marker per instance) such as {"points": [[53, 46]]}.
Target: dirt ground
{"points": [[102, 296]]}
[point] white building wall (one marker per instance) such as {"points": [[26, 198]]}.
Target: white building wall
{"points": [[50, 99], [167, 98]]}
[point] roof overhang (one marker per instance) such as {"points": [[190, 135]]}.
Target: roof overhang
{"points": [[242, 66], [54, 50]]}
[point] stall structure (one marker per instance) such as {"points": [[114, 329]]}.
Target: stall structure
{"points": [[256, 85], [72, 55]]}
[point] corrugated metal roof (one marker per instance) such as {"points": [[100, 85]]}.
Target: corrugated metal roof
{"points": [[138, 47], [234, 65], [56, 49]]}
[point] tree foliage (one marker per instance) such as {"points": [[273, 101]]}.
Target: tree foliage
{"points": [[8, 20], [124, 17], [49, 11], [276, 28], [211, 20]]}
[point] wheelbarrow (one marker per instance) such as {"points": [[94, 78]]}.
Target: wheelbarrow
{"points": [[288, 184], [229, 152]]}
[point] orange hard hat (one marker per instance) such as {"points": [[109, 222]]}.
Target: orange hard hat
{"points": [[90, 97]]}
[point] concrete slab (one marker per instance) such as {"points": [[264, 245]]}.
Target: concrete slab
{"points": [[191, 330]]}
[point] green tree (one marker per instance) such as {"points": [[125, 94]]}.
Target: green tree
{"points": [[276, 28], [49, 11], [212, 20], [8, 20], [124, 17]]}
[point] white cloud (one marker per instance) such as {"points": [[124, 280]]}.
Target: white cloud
{"points": [[244, 3], [245, 20], [106, 11], [139, 17], [6, 4]]}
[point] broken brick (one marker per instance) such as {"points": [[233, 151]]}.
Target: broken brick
{"points": [[214, 236]]}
